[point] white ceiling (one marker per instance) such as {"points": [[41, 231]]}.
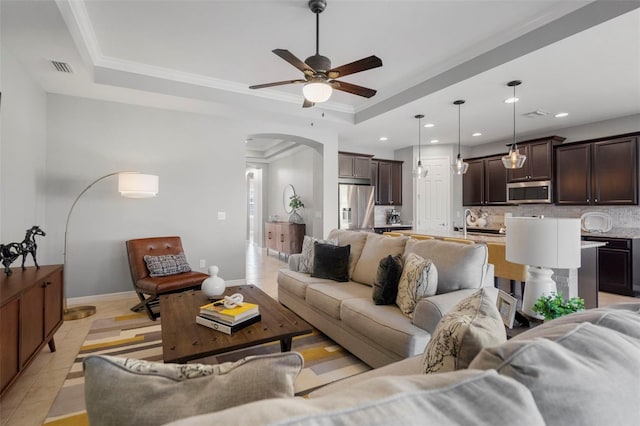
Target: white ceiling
{"points": [[574, 56]]}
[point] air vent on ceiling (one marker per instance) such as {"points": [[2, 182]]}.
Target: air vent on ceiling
{"points": [[536, 113], [62, 66]]}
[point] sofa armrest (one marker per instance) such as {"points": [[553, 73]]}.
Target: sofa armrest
{"points": [[294, 262], [489, 276], [430, 310]]}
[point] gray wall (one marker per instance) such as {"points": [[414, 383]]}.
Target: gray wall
{"points": [[22, 153]]}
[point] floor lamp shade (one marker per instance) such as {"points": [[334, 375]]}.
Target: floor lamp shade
{"points": [[542, 243], [137, 185]]}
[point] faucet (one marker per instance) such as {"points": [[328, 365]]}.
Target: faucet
{"points": [[464, 221]]}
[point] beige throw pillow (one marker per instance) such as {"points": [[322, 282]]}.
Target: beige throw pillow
{"points": [[472, 325], [121, 391], [419, 279]]}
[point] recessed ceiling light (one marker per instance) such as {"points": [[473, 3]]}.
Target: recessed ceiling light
{"points": [[561, 114], [429, 125], [384, 138], [434, 141], [511, 100], [477, 134]]}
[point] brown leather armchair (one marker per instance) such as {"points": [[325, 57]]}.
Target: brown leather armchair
{"points": [[149, 288]]}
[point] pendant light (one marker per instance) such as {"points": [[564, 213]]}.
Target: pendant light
{"points": [[459, 167], [514, 160], [419, 172]]}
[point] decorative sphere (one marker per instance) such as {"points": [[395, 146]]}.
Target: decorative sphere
{"points": [[213, 286]]}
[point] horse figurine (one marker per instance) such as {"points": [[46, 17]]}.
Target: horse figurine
{"points": [[28, 245], [9, 253]]}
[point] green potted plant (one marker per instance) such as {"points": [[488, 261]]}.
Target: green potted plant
{"points": [[295, 203], [554, 306]]}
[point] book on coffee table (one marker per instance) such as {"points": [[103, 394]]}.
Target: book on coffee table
{"points": [[218, 312], [227, 329]]}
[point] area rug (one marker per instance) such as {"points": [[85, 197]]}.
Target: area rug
{"points": [[135, 336]]}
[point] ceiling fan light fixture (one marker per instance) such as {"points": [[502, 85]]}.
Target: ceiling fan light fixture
{"points": [[459, 167], [317, 92], [513, 159], [419, 172]]}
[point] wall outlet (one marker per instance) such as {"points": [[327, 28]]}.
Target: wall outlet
{"points": [[222, 215], [203, 263]]}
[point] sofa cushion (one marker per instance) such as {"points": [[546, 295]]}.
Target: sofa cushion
{"points": [[459, 265], [385, 287], [384, 324], [480, 398], [473, 324], [419, 279], [353, 238], [331, 262], [121, 391], [329, 297], [296, 282], [376, 248], [308, 252], [587, 375]]}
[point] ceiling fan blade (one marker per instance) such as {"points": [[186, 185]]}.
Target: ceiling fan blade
{"points": [[354, 67], [293, 60], [277, 83], [352, 88], [307, 103]]}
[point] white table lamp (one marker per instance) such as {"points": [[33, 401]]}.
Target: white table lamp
{"points": [[542, 243]]}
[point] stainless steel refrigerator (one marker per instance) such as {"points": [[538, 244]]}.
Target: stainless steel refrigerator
{"points": [[356, 205]]}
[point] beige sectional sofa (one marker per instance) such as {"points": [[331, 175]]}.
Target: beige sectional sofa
{"points": [[381, 334]]}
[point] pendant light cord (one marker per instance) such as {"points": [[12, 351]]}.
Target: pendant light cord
{"points": [[459, 130], [419, 140], [514, 146], [317, 33]]}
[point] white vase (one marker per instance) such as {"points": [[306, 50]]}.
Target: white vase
{"points": [[295, 217], [213, 286]]}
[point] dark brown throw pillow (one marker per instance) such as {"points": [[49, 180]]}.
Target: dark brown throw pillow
{"points": [[331, 262], [385, 287]]}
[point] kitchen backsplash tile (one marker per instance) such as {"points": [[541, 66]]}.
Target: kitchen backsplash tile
{"points": [[622, 216]]}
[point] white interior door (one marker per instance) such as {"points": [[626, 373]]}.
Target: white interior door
{"points": [[433, 195]]}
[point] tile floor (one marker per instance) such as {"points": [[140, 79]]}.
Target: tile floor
{"points": [[29, 399]]}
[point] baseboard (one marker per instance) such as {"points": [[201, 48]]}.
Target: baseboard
{"points": [[99, 297]]}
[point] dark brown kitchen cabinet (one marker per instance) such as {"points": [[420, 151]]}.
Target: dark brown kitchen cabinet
{"points": [[602, 172], [30, 314], [485, 182], [618, 265], [387, 181], [539, 163], [351, 165]]}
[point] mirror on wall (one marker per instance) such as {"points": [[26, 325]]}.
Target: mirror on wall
{"points": [[288, 192]]}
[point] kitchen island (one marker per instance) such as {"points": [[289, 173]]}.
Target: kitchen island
{"points": [[581, 282]]}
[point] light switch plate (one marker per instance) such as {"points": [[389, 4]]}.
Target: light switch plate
{"points": [[222, 215]]}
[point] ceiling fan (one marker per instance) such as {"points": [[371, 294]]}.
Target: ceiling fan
{"points": [[319, 78]]}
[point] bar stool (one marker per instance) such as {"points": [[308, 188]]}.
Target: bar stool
{"points": [[421, 237], [393, 234], [505, 269], [459, 240]]}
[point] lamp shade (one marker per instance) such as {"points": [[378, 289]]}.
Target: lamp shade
{"points": [[317, 92], [546, 242], [137, 185], [514, 160]]}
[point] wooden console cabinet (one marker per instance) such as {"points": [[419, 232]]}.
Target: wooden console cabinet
{"points": [[30, 314], [284, 237]]}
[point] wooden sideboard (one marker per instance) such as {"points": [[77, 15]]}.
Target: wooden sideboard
{"points": [[284, 237], [30, 313]]}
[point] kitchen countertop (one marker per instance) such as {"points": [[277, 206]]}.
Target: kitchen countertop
{"points": [[632, 233], [482, 238], [392, 225]]}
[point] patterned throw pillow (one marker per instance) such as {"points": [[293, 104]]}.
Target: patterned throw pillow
{"points": [[121, 391], [385, 287], [419, 279], [308, 252], [168, 264], [472, 325]]}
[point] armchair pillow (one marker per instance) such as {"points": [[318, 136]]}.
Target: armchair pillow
{"points": [[419, 279], [122, 391], [168, 264]]}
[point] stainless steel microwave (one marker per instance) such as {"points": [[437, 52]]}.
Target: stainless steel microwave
{"points": [[538, 192]]}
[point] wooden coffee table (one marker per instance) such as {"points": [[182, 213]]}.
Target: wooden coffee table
{"points": [[183, 340]]}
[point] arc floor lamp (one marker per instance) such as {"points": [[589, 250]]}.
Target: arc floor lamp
{"points": [[130, 185]]}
